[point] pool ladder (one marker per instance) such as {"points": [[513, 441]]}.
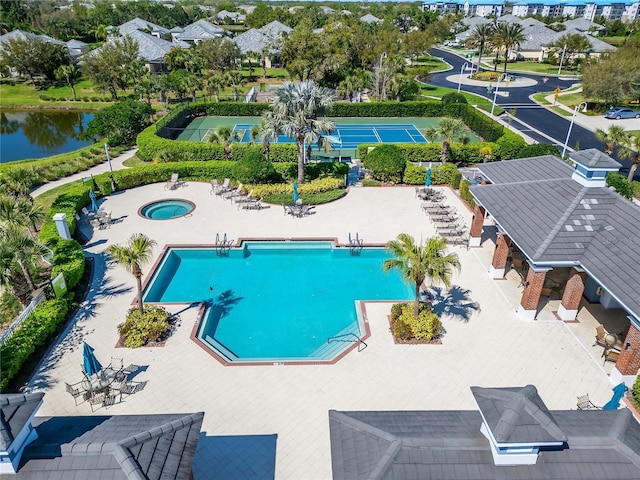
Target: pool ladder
{"points": [[349, 337], [222, 245], [355, 244]]}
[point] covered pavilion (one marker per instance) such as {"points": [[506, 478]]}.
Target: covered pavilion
{"points": [[564, 229]]}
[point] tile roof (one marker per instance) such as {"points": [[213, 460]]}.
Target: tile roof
{"points": [[15, 411], [200, 30], [557, 221], [140, 24], [402, 445], [517, 415], [593, 157], [123, 447], [255, 41]]}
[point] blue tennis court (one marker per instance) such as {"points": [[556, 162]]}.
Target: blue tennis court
{"points": [[350, 136]]}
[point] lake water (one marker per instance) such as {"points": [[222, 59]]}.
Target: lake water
{"points": [[37, 134]]}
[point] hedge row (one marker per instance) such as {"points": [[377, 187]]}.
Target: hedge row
{"points": [[153, 147]]}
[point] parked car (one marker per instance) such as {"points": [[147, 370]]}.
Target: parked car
{"points": [[618, 113]]}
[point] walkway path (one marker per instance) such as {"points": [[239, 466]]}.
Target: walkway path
{"points": [[116, 164]]}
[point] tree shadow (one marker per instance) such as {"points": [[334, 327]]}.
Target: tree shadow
{"points": [[454, 303], [238, 457]]}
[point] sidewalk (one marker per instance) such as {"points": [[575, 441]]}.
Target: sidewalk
{"points": [[116, 164]]}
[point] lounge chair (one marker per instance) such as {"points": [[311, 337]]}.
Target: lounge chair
{"points": [[214, 186], [172, 184], [224, 187], [601, 334], [233, 193], [610, 355]]}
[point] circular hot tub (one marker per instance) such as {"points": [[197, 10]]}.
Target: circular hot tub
{"points": [[167, 209]]}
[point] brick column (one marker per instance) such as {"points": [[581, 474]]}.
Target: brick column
{"points": [[500, 254], [531, 295], [475, 233], [628, 362], [572, 295]]}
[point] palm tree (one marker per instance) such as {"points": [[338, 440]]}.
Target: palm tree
{"points": [[416, 263], [26, 250], [192, 83], [631, 149], [235, 80], [295, 111], [449, 130], [213, 85], [225, 135], [132, 256], [19, 212], [479, 38], [17, 182], [616, 135], [508, 36], [68, 73]]}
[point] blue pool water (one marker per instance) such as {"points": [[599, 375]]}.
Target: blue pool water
{"points": [[276, 301], [167, 209]]}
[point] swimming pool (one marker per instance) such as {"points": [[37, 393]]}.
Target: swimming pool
{"points": [[276, 301]]}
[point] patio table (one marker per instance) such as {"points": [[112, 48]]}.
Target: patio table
{"points": [[99, 381]]}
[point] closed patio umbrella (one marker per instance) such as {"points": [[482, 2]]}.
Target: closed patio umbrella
{"points": [[427, 182], [90, 362], [618, 392], [295, 191], [94, 204]]}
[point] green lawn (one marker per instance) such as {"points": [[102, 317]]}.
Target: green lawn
{"points": [[16, 94], [430, 91]]}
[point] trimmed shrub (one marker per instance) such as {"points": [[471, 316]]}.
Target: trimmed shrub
{"points": [[138, 330], [254, 168], [425, 327], [509, 145], [620, 184], [537, 150], [415, 174], [387, 163], [453, 97], [469, 153], [33, 335], [465, 194], [446, 174], [635, 392], [319, 185]]}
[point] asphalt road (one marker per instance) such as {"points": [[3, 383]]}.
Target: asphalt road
{"points": [[529, 116]]}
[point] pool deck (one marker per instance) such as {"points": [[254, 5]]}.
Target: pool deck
{"points": [[485, 343]]}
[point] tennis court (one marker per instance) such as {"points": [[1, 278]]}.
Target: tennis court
{"points": [[350, 136]]}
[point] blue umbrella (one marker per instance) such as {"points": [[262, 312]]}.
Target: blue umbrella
{"points": [[618, 392], [94, 205], [428, 181], [90, 362], [295, 191]]}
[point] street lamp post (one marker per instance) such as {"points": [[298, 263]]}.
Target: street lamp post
{"points": [[462, 69], [380, 86], [106, 150], [495, 93], [573, 117], [562, 58]]}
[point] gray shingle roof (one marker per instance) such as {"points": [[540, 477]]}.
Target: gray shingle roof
{"points": [[517, 415], [472, 22], [140, 24], [153, 49], [582, 24], [405, 445], [123, 447], [255, 41], [15, 411], [369, 18], [557, 221], [275, 29], [593, 157], [536, 37], [546, 167], [200, 30]]}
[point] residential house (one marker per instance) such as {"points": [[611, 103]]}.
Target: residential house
{"points": [[21, 34], [584, 25], [226, 16], [77, 48], [144, 26], [368, 18], [198, 31], [266, 39]]}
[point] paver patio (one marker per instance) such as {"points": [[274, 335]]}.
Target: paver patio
{"points": [[490, 347]]}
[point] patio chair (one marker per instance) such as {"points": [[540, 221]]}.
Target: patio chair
{"points": [[224, 188], [233, 193], [214, 186], [601, 335], [96, 399], [610, 355], [75, 390], [585, 404], [172, 184]]}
